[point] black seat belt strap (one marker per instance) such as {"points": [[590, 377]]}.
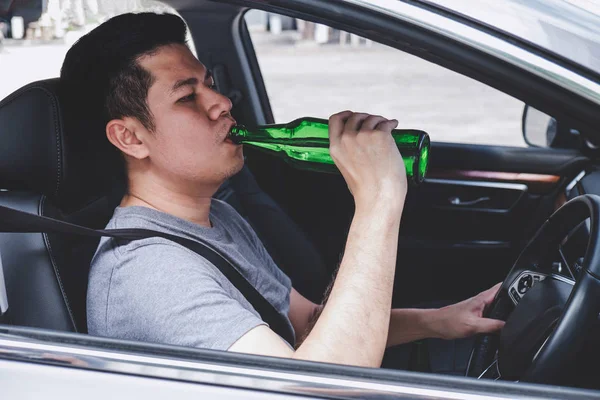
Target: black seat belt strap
{"points": [[17, 221]]}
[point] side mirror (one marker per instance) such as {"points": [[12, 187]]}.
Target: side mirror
{"points": [[539, 129]]}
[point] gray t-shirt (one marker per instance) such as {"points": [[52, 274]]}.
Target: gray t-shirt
{"points": [[155, 290]]}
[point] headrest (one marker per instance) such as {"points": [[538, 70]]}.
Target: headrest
{"points": [[38, 154]]}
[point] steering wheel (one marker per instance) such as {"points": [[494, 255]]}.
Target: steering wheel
{"points": [[547, 316]]}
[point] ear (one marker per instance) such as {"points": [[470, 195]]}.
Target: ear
{"points": [[128, 136]]}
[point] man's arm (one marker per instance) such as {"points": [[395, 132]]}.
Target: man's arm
{"points": [[303, 315], [353, 326], [339, 330], [409, 324], [451, 322]]}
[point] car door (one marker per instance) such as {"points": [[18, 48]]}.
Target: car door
{"points": [[486, 191]]}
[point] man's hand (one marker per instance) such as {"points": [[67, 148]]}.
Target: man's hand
{"points": [[364, 151], [466, 318]]}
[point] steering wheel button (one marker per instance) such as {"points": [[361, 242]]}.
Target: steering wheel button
{"points": [[525, 283], [515, 295]]}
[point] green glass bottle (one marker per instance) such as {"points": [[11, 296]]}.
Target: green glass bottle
{"points": [[304, 143]]}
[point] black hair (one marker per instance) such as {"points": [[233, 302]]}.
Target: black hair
{"points": [[101, 80], [101, 69]]}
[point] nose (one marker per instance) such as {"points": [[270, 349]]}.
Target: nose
{"points": [[218, 105]]}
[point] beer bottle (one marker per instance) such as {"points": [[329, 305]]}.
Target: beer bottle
{"points": [[304, 143]]}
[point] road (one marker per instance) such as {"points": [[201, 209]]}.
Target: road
{"points": [[312, 80]]}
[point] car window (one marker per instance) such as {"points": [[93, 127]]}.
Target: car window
{"points": [[35, 36], [313, 70]]}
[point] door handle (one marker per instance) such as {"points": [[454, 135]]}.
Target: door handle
{"points": [[456, 201]]}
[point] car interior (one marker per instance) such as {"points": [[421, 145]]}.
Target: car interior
{"points": [[461, 232]]}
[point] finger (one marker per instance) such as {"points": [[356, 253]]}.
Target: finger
{"points": [[489, 325], [336, 124], [489, 295], [372, 121], [354, 122], [387, 126]]}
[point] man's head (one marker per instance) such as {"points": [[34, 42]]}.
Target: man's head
{"points": [[135, 77]]}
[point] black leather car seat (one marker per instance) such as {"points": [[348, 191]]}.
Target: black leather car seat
{"points": [[42, 173], [45, 171]]}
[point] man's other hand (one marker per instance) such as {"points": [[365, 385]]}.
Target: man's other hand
{"points": [[466, 318]]}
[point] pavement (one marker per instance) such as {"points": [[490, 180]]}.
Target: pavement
{"points": [[313, 80], [306, 79], [25, 61]]}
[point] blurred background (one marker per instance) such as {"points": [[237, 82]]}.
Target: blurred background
{"points": [[309, 69]]}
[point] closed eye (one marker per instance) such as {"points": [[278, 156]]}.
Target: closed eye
{"points": [[185, 99]]}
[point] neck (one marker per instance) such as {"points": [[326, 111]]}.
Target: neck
{"points": [[191, 205]]}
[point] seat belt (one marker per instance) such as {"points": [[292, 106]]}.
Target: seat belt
{"points": [[16, 221]]}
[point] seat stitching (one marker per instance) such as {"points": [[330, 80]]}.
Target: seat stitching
{"points": [[55, 267], [56, 116], [57, 132], [58, 146]]}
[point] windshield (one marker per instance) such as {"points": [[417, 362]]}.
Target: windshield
{"points": [[568, 28]]}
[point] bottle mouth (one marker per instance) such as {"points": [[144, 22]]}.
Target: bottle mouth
{"points": [[234, 134]]}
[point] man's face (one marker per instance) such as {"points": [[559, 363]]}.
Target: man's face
{"points": [[191, 120]]}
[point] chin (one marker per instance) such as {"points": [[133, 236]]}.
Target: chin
{"points": [[234, 168]]}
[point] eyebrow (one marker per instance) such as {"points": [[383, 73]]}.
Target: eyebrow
{"points": [[184, 82], [190, 81]]}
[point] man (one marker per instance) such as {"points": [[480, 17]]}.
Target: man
{"points": [[162, 114]]}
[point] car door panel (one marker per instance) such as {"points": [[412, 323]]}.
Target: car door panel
{"points": [[486, 193], [465, 225], [463, 156]]}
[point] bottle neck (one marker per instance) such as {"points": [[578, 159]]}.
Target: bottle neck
{"points": [[241, 134]]}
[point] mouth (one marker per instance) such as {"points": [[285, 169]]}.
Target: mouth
{"points": [[230, 126], [227, 138]]}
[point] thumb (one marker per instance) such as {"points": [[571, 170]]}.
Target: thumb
{"points": [[489, 325], [488, 295]]}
